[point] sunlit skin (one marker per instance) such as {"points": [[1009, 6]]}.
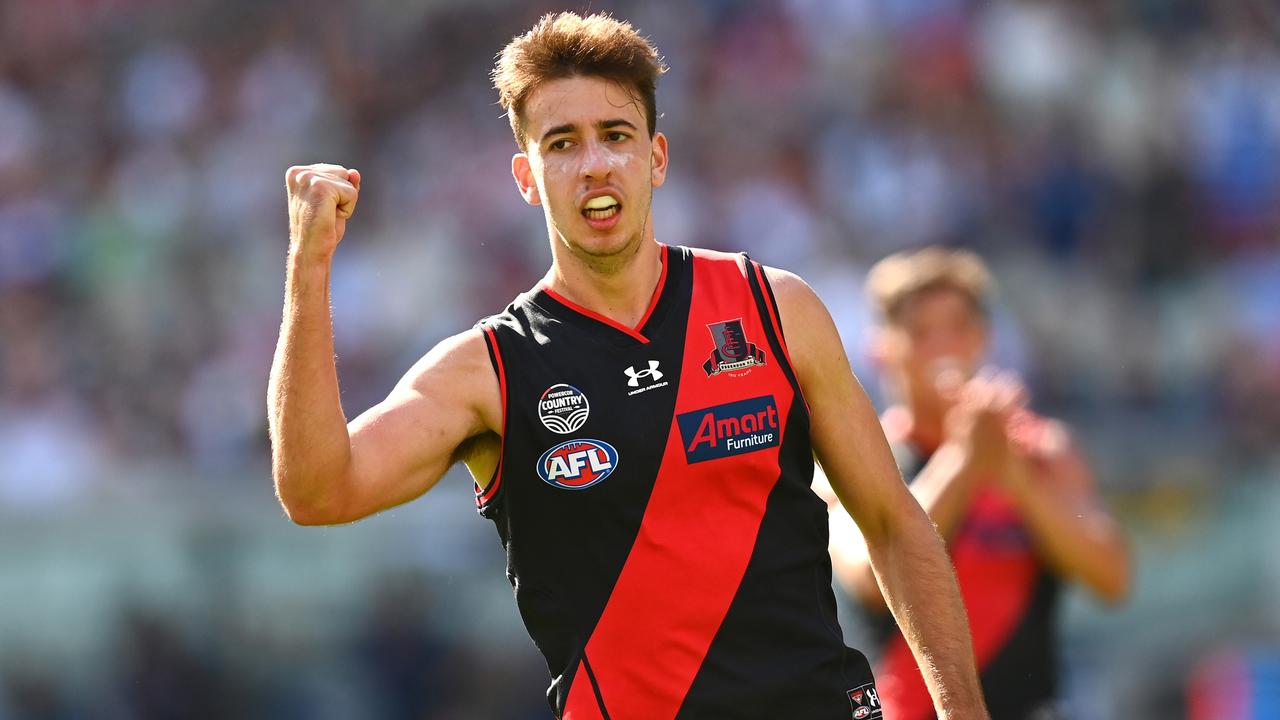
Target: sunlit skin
{"points": [[587, 137]]}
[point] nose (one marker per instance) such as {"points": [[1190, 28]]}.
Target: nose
{"points": [[595, 160]]}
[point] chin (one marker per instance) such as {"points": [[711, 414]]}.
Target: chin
{"points": [[599, 245]]}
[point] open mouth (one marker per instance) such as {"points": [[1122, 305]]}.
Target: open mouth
{"points": [[601, 208]]}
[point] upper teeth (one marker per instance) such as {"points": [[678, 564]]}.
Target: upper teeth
{"points": [[600, 203]]}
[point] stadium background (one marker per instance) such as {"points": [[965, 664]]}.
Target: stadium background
{"points": [[1116, 162]]}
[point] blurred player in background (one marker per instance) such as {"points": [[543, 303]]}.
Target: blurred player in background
{"points": [[1011, 496], [640, 432]]}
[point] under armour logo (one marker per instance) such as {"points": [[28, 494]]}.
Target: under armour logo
{"points": [[652, 373]]}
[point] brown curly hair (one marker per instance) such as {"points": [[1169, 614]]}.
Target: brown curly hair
{"points": [[566, 45]]}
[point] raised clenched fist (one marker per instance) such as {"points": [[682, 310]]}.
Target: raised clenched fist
{"points": [[321, 198]]}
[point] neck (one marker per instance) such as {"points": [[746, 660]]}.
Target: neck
{"points": [[619, 287], [926, 423]]}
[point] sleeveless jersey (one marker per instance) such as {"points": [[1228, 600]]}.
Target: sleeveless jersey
{"points": [[668, 556], [1010, 597]]}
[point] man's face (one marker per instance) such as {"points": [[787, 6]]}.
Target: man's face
{"points": [[936, 331], [590, 163]]}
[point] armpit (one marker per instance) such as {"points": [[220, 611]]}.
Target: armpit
{"points": [[479, 453]]}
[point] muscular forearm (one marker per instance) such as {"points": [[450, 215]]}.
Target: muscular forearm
{"points": [[309, 440], [920, 588]]}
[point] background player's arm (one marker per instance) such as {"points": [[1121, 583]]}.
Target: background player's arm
{"points": [[325, 470], [943, 488], [908, 556], [1074, 535], [975, 447]]}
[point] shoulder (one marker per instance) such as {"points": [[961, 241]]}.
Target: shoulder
{"points": [[513, 316], [457, 355], [803, 315], [458, 374], [705, 254], [790, 288], [525, 319], [1049, 444], [813, 343]]}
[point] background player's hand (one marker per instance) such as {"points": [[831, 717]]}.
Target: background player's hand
{"points": [[321, 199], [981, 412]]}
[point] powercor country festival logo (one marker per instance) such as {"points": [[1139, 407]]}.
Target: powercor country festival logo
{"points": [[563, 408]]}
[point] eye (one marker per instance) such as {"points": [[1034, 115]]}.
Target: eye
{"points": [[561, 144], [616, 136]]}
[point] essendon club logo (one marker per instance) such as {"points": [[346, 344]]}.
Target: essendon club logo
{"points": [[733, 350], [865, 703]]}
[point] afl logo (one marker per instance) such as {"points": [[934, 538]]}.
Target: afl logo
{"points": [[563, 409], [577, 464]]}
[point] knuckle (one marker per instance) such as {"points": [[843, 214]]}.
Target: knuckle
{"points": [[292, 175]]}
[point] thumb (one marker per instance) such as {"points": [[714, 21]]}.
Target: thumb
{"points": [[353, 177]]}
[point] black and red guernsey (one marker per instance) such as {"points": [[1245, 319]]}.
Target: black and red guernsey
{"points": [[1010, 596], [668, 556]]}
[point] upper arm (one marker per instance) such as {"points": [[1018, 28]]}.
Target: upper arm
{"points": [[1066, 473], [403, 445], [1091, 547], [845, 430], [1058, 462]]}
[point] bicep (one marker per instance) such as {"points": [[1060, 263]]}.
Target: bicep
{"points": [[1070, 480], [403, 445]]}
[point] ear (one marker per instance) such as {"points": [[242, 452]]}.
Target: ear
{"points": [[658, 160], [522, 171]]}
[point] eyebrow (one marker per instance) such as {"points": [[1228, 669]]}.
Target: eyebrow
{"points": [[610, 124], [603, 125]]}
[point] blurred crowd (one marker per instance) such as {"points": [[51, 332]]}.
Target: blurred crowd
{"points": [[1116, 161], [392, 661]]}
